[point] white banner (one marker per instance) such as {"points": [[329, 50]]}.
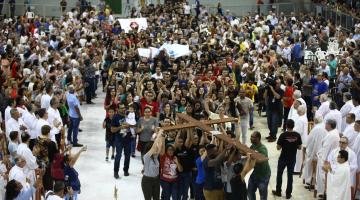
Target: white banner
{"points": [[176, 50], [132, 23]]}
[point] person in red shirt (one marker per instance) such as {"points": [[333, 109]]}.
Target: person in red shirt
{"points": [[169, 168], [288, 98], [147, 101]]}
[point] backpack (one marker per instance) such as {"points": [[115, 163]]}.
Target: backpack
{"points": [[57, 167]]}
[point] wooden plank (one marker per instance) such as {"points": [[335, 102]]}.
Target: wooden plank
{"points": [[243, 148], [193, 124], [178, 126]]}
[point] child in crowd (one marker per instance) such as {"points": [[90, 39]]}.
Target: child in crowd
{"points": [[109, 136]]}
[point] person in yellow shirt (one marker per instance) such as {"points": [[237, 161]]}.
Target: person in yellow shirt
{"points": [[250, 91]]}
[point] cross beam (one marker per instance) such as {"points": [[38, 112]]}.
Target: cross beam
{"points": [[204, 125], [193, 124]]}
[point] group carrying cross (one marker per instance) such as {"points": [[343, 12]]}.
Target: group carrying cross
{"points": [[205, 126]]}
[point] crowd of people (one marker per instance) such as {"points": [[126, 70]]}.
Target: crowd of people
{"points": [[50, 67]]}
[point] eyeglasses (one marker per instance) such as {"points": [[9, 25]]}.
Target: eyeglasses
{"points": [[342, 142]]}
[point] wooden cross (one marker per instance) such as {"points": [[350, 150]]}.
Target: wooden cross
{"points": [[204, 125]]}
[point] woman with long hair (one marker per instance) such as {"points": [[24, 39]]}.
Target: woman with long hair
{"points": [[111, 100]]}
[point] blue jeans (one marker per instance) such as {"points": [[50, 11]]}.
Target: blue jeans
{"points": [[273, 119], [169, 189], [289, 164], [67, 197], [120, 144], [73, 130], [255, 183], [184, 181], [133, 145]]}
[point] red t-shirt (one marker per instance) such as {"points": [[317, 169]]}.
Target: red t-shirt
{"points": [[289, 91], [154, 105], [168, 168]]}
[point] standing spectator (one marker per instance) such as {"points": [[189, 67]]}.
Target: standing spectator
{"points": [[288, 99], [289, 142], [260, 177], [72, 174], [75, 117], [89, 76], [274, 108]]}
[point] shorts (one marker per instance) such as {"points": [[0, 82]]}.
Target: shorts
{"points": [[110, 142]]}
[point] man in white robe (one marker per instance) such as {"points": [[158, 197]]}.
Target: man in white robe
{"points": [[324, 107], [345, 109], [55, 120], [356, 108], [30, 121], [11, 105], [328, 143], [334, 114], [43, 116], [338, 180], [17, 172], [356, 149], [343, 145], [298, 101], [15, 123], [301, 126], [45, 98], [349, 131], [312, 148], [24, 151]]}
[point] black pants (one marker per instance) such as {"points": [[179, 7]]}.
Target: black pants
{"points": [[286, 115], [89, 87], [143, 149], [289, 164], [150, 187], [122, 143], [308, 102]]}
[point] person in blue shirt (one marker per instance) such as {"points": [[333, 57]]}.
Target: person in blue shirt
{"points": [[71, 175], [319, 87], [332, 64], [122, 138], [75, 117], [200, 178]]}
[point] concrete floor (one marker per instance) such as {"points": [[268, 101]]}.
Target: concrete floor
{"points": [[96, 175]]}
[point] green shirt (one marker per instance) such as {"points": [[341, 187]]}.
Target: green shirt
{"points": [[262, 169]]}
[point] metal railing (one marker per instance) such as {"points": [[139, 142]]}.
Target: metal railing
{"points": [[345, 20], [44, 10]]}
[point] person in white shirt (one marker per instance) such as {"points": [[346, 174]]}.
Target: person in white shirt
{"points": [[158, 74], [334, 114], [301, 127], [45, 98], [293, 110], [328, 143], [11, 104], [187, 8], [24, 151], [30, 121], [332, 159], [55, 120], [43, 116], [345, 109], [58, 192], [324, 107], [339, 181], [15, 123], [312, 148], [350, 131], [356, 108], [17, 172]]}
